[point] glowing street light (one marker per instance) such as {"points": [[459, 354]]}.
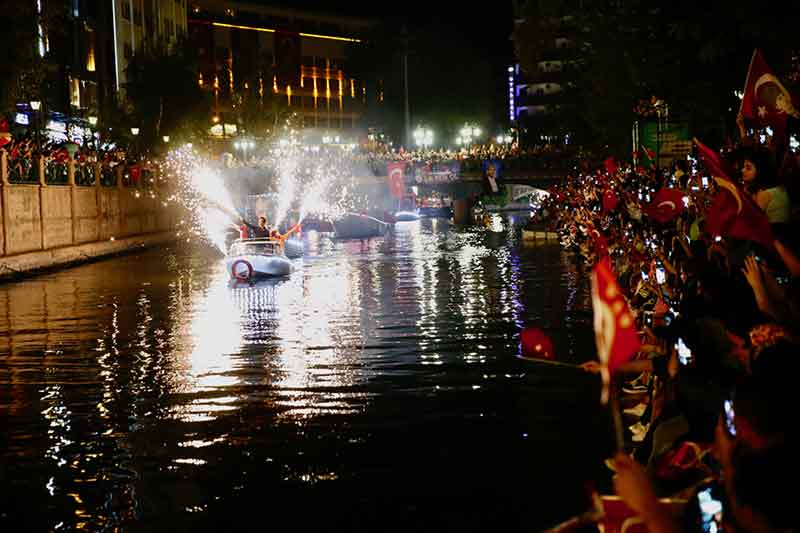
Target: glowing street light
{"points": [[93, 121], [470, 133], [35, 105], [135, 131], [423, 136], [244, 145]]}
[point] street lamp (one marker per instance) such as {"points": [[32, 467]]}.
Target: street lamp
{"points": [[135, 131], [165, 138], [35, 106], [244, 145], [470, 133], [423, 137]]}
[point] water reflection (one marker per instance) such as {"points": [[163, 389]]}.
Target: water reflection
{"points": [[121, 379]]}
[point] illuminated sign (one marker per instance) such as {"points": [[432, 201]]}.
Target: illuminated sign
{"points": [[22, 118], [511, 102]]}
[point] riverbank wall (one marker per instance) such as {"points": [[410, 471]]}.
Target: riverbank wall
{"points": [[56, 214]]}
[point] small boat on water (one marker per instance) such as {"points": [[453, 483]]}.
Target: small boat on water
{"points": [[436, 212], [253, 258], [406, 216], [356, 226], [510, 206]]}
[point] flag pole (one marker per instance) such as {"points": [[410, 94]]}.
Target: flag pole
{"points": [[616, 415], [747, 79]]}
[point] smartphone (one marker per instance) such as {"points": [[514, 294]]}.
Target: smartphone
{"points": [[711, 508], [729, 417], [661, 276], [717, 239], [684, 353], [705, 181], [645, 276]]}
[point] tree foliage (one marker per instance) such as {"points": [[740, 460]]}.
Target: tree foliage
{"points": [[691, 55], [163, 95], [23, 71]]}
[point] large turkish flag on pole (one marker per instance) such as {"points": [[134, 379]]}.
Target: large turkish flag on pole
{"points": [[766, 102]]}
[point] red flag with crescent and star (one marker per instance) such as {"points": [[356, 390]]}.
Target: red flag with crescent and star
{"points": [[397, 185], [614, 325], [666, 205], [733, 213], [765, 101]]}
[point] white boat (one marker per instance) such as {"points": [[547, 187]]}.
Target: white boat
{"points": [[252, 258], [406, 216]]}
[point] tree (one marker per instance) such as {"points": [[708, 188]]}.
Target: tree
{"points": [[693, 56], [163, 95], [24, 68]]}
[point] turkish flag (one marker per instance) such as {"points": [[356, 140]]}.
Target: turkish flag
{"points": [[614, 325], [666, 205], [766, 102], [713, 161], [397, 185], [611, 166], [735, 214], [135, 171], [610, 200]]}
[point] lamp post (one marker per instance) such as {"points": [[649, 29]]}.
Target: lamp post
{"points": [[244, 145], [470, 133], [423, 137], [135, 132], [35, 106]]}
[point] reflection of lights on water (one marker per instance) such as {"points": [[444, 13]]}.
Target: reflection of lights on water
{"points": [[496, 224]]}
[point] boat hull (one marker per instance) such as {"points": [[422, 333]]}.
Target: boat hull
{"points": [[435, 212], [244, 267], [406, 216], [293, 248]]}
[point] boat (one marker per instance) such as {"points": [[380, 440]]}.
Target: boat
{"points": [[510, 206], [406, 216], [293, 248], [436, 212], [356, 226], [257, 258]]}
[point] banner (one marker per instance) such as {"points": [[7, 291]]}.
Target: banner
{"points": [[492, 173], [441, 172], [669, 142], [396, 175]]}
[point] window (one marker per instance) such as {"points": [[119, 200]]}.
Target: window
{"points": [[90, 65], [74, 92], [126, 10]]}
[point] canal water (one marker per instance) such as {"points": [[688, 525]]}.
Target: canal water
{"points": [[376, 389]]}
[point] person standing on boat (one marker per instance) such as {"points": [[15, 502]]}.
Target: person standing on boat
{"points": [[262, 231]]}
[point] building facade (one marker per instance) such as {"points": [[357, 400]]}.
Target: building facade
{"points": [[254, 53], [141, 23]]}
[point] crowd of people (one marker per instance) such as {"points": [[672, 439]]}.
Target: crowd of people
{"points": [[708, 257]]}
